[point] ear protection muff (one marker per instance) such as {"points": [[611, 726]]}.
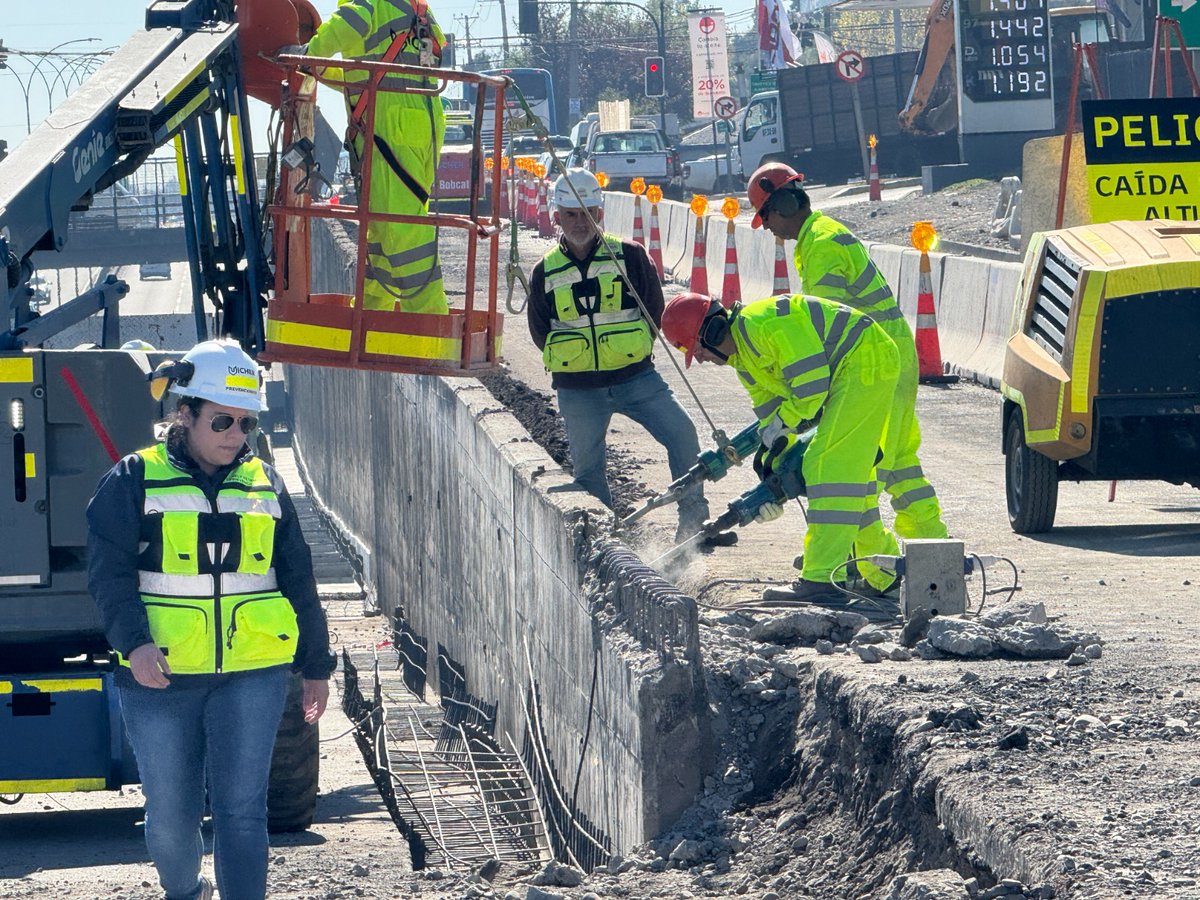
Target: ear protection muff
{"points": [[170, 372], [715, 330], [784, 201]]}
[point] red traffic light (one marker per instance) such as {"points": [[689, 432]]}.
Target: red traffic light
{"points": [[653, 67]]}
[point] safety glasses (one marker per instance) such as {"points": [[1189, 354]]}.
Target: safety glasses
{"points": [[224, 421]]}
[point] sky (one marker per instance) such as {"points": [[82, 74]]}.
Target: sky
{"points": [[43, 25]]}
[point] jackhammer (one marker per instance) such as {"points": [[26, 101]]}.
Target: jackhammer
{"points": [[711, 465], [782, 480]]}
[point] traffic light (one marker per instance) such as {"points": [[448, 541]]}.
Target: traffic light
{"points": [[656, 85], [448, 55], [527, 16], [3, 55]]}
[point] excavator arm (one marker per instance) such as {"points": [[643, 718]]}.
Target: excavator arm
{"points": [[932, 106]]}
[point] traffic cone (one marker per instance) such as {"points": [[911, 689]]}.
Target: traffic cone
{"points": [[699, 282], [782, 284], [544, 227], [875, 190], [639, 230], [731, 287], [655, 241], [929, 349], [530, 217]]}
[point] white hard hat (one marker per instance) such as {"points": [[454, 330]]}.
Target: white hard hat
{"points": [[221, 372], [138, 344], [585, 184]]}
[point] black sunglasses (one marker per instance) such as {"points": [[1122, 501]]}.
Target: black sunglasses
{"points": [[224, 421]]}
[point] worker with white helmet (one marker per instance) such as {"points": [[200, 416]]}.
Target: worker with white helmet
{"points": [[597, 343], [206, 591]]}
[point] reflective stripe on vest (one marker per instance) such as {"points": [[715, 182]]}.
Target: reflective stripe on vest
{"points": [[206, 614], [595, 325]]}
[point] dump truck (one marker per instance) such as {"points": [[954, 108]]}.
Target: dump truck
{"points": [[1101, 374]]}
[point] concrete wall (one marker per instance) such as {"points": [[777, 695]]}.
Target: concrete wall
{"points": [[488, 551], [973, 297]]}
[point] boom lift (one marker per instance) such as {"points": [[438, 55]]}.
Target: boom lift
{"points": [[67, 416]]}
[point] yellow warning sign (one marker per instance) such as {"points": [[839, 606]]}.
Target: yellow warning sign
{"points": [[1143, 159]]}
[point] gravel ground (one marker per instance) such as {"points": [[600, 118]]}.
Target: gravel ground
{"points": [[961, 213]]}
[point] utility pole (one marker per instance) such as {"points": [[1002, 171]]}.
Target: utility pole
{"points": [[573, 71], [504, 29], [467, 20]]}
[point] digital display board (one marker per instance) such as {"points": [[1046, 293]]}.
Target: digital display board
{"points": [[1005, 49], [1004, 64]]}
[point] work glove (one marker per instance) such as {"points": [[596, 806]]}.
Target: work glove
{"points": [[768, 512], [765, 456]]}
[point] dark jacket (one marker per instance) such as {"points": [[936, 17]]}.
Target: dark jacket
{"points": [[540, 310], [114, 530]]}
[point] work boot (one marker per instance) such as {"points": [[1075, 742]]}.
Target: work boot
{"points": [[818, 593], [205, 890]]}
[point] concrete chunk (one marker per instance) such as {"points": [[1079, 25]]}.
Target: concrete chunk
{"points": [[809, 626], [961, 638]]}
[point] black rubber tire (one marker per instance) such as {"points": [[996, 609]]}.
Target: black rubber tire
{"points": [[295, 768], [1030, 482]]}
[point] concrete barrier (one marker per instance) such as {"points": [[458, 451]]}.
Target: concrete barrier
{"points": [[962, 307], [972, 295], [488, 552]]}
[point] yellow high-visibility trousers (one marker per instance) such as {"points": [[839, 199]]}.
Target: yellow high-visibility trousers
{"points": [[403, 271], [918, 512], [839, 465]]}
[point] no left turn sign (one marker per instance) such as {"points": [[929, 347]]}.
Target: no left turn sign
{"points": [[725, 107], [850, 65]]}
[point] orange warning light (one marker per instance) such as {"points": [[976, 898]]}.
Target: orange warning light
{"points": [[699, 204], [654, 193], [924, 236], [730, 208]]}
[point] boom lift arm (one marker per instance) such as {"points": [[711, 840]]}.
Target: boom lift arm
{"points": [[178, 81]]}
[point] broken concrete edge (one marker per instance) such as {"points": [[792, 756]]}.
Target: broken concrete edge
{"points": [[895, 777]]}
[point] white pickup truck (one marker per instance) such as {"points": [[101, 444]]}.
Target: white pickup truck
{"points": [[626, 155]]}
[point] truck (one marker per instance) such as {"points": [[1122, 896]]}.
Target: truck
{"points": [[1082, 399], [809, 123], [638, 153]]}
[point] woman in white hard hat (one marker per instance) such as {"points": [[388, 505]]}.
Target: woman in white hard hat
{"points": [[206, 591]]}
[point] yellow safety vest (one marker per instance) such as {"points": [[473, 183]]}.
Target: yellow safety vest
{"points": [[205, 570], [595, 325]]}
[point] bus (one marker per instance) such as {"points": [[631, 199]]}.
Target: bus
{"points": [[535, 84]]}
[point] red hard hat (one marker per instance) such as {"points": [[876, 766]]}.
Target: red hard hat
{"points": [[682, 320], [765, 181]]}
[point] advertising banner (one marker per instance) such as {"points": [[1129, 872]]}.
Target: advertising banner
{"points": [[1143, 158], [710, 61]]}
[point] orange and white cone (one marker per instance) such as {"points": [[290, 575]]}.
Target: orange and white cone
{"points": [[544, 226], [731, 287], [929, 349], [782, 283], [699, 282], [875, 190], [655, 241], [639, 229]]}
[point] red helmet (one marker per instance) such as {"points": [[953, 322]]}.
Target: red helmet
{"points": [[682, 320], [765, 181]]}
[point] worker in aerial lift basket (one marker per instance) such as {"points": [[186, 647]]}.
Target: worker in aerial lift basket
{"points": [[802, 359], [834, 264], [205, 588], [597, 344], [403, 270]]}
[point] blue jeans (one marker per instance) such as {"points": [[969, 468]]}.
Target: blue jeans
{"points": [[648, 401], [228, 722]]}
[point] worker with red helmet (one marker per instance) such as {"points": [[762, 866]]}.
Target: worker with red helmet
{"points": [[802, 359], [834, 264]]}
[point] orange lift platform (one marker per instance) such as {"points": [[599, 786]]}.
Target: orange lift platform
{"points": [[323, 329]]}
